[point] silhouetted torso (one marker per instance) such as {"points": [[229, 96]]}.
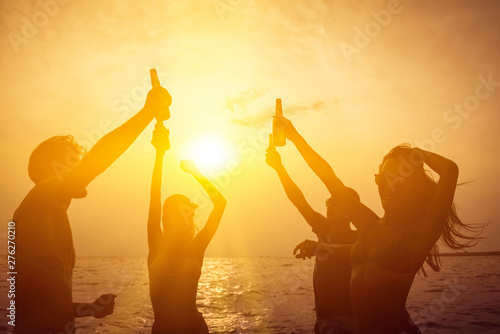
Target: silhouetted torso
{"points": [[173, 289], [382, 275], [45, 259], [332, 272]]}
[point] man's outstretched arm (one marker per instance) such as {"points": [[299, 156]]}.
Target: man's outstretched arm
{"points": [[113, 144]]}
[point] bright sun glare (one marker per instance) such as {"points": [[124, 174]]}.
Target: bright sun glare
{"points": [[208, 152]]}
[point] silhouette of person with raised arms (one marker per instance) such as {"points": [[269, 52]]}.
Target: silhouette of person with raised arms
{"points": [[390, 250], [332, 268], [176, 254], [45, 255]]}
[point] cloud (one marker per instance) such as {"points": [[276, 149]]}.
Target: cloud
{"points": [[265, 116], [296, 109], [241, 101]]}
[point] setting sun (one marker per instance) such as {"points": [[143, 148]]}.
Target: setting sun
{"points": [[193, 223], [208, 152]]}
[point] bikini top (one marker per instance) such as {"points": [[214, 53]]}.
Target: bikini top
{"points": [[181, 266], [391, 254]]}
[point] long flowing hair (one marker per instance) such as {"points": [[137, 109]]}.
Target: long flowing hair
{"points": [[456, 234]]}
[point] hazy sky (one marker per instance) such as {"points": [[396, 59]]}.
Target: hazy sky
{"points": [[356, 78]]}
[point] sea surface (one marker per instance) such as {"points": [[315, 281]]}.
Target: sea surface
{"points": [[275, 295]]}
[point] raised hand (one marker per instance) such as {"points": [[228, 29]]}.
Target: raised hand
{"points": [[160, 139], [158, 99], [290, 131], [103, 306], [306, 248], [190, 167]]}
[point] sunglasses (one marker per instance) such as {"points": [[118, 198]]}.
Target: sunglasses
{"points": [[380, 179]]}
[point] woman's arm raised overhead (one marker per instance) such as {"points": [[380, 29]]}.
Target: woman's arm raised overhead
{"points": [[155, 235], [360, 215], [208, 231]]}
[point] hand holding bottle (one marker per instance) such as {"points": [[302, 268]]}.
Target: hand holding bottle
{"points": [[158, 99], [290, 131], [160, 139], [273, 158]]}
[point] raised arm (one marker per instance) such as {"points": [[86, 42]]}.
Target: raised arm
{"points": [[318, 165], [208, 231], [113, 145], [294, 194], [442, 198], [155, 235], [358, 213]]}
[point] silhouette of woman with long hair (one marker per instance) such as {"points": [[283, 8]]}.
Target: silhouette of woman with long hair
{"points": [[391, 249], [176, 253], [332, 267]]}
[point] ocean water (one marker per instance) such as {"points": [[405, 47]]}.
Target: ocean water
{"points": [[275, 295]]}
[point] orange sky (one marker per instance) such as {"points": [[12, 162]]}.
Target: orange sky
{"points": [[353, 96]]}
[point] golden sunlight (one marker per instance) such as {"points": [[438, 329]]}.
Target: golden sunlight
{"points": [[209, 152]]}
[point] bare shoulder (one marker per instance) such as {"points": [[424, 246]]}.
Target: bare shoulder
{"points": [[40, 209]]}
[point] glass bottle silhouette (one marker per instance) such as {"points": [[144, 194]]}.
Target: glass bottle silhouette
{"points": [[271, 144], [279, 136]]}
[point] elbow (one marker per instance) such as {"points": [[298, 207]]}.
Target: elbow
{"points": [[325, 171], [220, 201], [452, 169]]}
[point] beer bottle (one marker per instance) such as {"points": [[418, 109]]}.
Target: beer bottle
{"points": [[279, 137], [164, 113], [271, 144]]}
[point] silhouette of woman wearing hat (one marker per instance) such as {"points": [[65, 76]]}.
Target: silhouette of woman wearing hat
{"points": [[176, 253]]}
